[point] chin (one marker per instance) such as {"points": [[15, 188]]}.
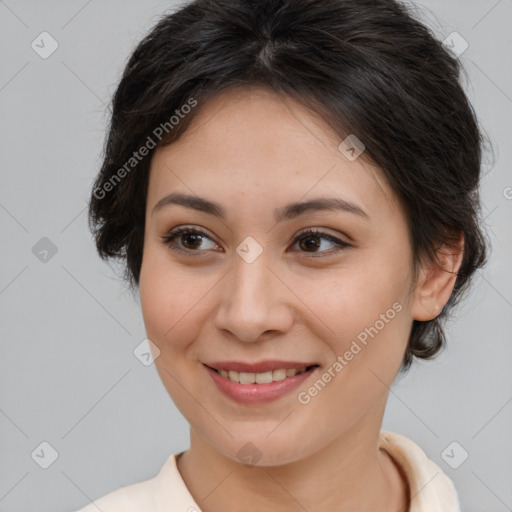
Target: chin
{"points": [[262, 450]]}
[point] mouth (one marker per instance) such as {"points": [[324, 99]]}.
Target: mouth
{"points": [[252, 384], [264, 377]]}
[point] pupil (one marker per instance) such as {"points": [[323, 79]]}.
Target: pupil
{"points": [[190, 235], [314, 244]]}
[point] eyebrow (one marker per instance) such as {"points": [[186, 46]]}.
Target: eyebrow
{"points": [[287, 212]]}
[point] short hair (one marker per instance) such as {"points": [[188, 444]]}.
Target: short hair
{"points": [[368, 67]]}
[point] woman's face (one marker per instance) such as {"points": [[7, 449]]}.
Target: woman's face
{"points": [[242, 289]]}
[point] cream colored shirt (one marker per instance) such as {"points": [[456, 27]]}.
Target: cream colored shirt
{"points": [[431, 490]]}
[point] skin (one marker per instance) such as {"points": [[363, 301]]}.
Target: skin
{"points": [[252, 151]]}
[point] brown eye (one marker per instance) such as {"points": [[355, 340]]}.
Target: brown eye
{"points": [[310, 241], [192, 239], [189, 240], [185, 240]]}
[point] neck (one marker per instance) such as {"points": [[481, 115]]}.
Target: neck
{"points": [[351, 473]]}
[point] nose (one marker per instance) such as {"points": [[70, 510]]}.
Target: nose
{"points": [[254, 301]]}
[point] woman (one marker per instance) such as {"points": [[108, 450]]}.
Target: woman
{"points": [[293, 185]]}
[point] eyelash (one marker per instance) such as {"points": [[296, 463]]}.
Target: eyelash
{"points": [[168, 240]]}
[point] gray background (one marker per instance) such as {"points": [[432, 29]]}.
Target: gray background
{"points": [[68, 375]]}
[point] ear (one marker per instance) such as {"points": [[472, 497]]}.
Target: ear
{"points": [[436, 281]]}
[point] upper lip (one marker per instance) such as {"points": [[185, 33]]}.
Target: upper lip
{"points": [[261, 367]]}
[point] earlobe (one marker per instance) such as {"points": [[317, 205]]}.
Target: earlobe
{"points": [[436, 281]]}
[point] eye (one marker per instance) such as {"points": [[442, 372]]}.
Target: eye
{"points": [[315, 235], [190, 239], [189, 236]]}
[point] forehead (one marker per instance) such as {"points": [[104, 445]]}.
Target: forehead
{"points": [[254, 142]]}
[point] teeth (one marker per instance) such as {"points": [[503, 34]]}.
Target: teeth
{"points": [[260, 378], [278, 374]]}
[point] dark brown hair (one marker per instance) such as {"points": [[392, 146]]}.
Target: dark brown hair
{"points": [[368, 67]]}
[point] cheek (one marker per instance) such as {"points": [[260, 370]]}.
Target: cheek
{"points": [[362, 316], [170, 297], [367, 336], [354, 299], [161, 311], [171, 307], [175, 308]]}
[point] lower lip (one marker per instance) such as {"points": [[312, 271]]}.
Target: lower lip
{"points": [[258, 393]]}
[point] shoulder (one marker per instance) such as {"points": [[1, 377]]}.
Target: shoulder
{"points": [[430, 486], [135, 497]]}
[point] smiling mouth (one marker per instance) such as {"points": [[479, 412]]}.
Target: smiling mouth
{"points": [[263, 377]]}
